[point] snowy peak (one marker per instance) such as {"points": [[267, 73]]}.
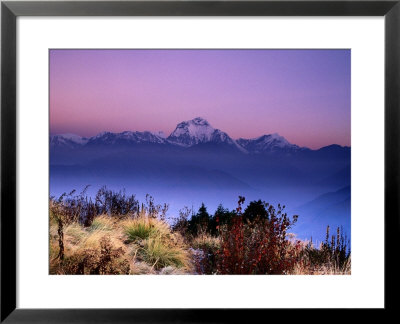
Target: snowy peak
{"points": [[272, 140], [199, 121], [267, 143], [192, 132], [197, 131]]}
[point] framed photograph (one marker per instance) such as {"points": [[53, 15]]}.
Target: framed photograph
{"points": [[190, 161]]}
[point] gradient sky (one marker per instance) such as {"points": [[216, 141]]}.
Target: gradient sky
{"points": [[304, 95]]}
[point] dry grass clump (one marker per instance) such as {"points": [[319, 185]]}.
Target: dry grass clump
{"points": [[104, 259], [161, 254], [143, 227], [155, 244]]}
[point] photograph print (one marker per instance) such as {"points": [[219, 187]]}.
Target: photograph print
{"points": [[200, 161]]}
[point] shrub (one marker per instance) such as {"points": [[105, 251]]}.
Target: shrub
{"points": [[258, 247], [115, 202], [81, 208], [181, 223]]}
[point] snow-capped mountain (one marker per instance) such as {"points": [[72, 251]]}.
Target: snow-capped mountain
{"points": [[67, 140], [267, 144], [198, 130], [191, 132]]}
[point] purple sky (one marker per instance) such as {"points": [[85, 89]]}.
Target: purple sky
{"points": [[304, 95]]}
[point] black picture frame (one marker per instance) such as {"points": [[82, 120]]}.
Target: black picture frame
{"points": [[10, 10]]}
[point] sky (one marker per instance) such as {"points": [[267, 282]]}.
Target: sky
{"points": [[304, 95]]}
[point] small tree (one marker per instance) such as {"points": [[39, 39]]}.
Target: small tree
{"points": [[200, 221], [222, 216], [256, 209]]}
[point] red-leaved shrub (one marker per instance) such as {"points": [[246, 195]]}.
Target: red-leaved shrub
{"points": [[259, 246]]}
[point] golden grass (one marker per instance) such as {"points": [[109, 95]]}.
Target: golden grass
{"points": [[161, 254], [144, 227], [328, 269]]}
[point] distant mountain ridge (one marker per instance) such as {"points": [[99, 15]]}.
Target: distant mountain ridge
{"points": [[126, 137], [270, 143], [186, 134], [67, 140]]}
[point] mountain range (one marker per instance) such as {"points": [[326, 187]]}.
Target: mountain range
{"points": [[186, 134]]}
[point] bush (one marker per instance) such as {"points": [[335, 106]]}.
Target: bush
{"points": [[258, 247], [115, 202], [181, 223], [71, 207]]}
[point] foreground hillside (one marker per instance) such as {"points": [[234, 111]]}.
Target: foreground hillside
{"points": [[117, 235]]}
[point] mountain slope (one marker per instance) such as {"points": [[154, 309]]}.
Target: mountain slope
{"points": [[332, 208]]}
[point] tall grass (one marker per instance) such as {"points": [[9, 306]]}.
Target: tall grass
{"points": [[144, 227], [161, 254]]}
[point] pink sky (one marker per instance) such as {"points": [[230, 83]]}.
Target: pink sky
{"points": [[304, 95]]}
